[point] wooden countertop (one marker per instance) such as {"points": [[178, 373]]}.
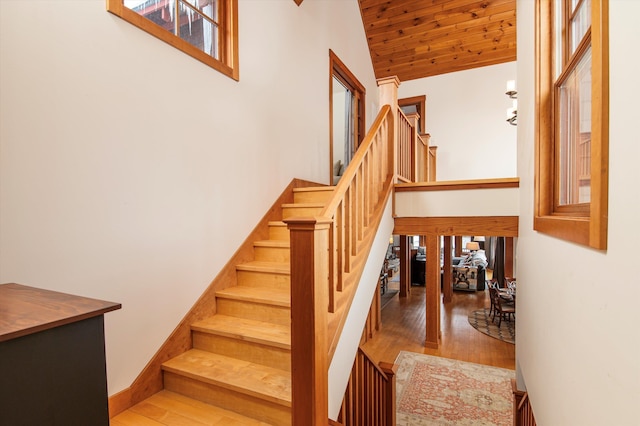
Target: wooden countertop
{"points": [[26, 310]]}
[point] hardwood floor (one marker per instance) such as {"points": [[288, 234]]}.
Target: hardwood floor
{"points": [[403, 328]]}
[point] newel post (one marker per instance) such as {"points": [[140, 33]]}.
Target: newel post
{"points": [[390, 390], [388, 95], [309, 312]]}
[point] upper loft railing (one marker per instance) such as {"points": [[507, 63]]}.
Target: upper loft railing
{"points": [[329, 253], [416, 159]]}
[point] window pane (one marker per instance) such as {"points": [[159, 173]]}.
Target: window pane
{"points": [[198, 31], [158, 12], [194, 28], [575, 134], [208, 8], [580, 24]]}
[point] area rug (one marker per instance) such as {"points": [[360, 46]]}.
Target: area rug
{"points": [[387, 297], [481, 321], [441, 391]]}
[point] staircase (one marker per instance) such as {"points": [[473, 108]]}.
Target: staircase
{"points": [[239, 369]]}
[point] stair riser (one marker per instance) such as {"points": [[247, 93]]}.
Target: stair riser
{"points": [[288, 212], [254, 311], [308, 197], [278, 232], [231, 400], [241, 349], [264, 279], [272, 254]]}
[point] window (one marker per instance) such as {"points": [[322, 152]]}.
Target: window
{"points": [[204, 29], [572, 114], [346, 109]]}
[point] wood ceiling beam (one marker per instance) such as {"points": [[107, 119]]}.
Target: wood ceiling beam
{"points": [[503, 226]]}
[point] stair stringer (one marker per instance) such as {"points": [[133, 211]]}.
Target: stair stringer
{"points": [[150, 379]]}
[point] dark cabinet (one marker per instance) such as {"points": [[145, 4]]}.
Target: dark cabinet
{"points": [[52, 358]]}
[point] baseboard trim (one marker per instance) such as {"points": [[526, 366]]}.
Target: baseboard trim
{"points": [[119, 402]]}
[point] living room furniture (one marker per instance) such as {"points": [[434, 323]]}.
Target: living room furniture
{"points": [[418, 267], [52, 358], [468, 278]]}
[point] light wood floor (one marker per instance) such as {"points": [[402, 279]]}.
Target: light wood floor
{"points": [[403, 328]]}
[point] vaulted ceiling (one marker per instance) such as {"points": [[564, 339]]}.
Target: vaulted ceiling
{"points": [[421, 38]]}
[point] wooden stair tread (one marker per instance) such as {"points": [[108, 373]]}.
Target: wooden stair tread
{"points": [[265, 295], [246, 329], [172, 409], [303, 205], [282, 268], [272, 243], [260, 381], [314, 188]]}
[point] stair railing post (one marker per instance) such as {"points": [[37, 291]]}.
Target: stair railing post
{"points": [[388, 95], [417, 152], [309, 314], [390, 391]]}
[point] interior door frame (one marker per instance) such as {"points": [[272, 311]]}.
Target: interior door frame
{"points": [[420, 103], [338, 69]]}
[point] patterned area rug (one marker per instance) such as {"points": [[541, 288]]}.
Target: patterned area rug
{"points": [[481, 321], [441, 391]]}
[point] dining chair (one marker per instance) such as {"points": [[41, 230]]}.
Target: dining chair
{"points": [[502, 308], [491, 285]]}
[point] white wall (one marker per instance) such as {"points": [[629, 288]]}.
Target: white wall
{"points": [[448, 203], [466, 117], [578, 344], [131, 172]]}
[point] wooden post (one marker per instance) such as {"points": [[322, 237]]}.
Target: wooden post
{"points": [[405, 267], [432, 292], [508, 257], [416, 162], [446, 271], [390, 390], [458, 241], [309, 313], [388, 95]]}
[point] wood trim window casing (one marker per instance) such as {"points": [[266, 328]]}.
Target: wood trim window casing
{"points": [[339, 69], [584, 224], [227, 64]]}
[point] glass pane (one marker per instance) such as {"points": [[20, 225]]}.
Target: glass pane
{"points": [[575, 134], [558, 49], [580, 24], [198, 31], [160, 12], [208, 8]]}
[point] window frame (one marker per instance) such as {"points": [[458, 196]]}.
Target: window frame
{"points": [[338, 69], [228, 64], [584, 224]]}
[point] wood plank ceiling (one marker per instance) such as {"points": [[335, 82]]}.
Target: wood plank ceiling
{"points": [[421, 38]]}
